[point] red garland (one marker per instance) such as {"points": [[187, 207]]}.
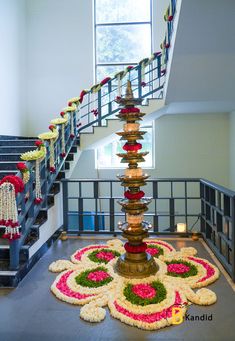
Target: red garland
{"points": [[15, 181], [156, 54], [129, 110], [135, 249], [62, 155], [105, 80], [22, 167], [38, 201], [130, 67], [134, 196], [72, 136], [51, 127], [132, 147], [82, 94], [62, 113], [38, 143], [52, 169], [170, 18]]}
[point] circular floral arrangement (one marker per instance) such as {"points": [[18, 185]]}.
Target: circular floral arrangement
{"points": [[180, 268], [149, 303], [145, 294], [154, 250], [103, 255], [94, 278]]}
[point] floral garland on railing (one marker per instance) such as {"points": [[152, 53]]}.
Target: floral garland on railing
{"points": [[71, 109], [168, 16], [146, 303], [62, 121], [38, 156], [51, 137], [10, 186]]}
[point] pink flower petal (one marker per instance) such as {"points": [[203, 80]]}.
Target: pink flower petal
{"points": [[144, 291], [98, 276]]}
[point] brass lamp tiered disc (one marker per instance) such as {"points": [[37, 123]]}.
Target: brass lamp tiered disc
{"points": [[135, 263]]}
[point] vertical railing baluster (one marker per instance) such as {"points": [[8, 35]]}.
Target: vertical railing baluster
{"points": [[99, 109], [233, 238], [109, 94], [139, 81], [65, 205]]}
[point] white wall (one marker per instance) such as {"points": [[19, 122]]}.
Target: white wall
{"points": [[203, 64], [186, 146], [193, 146], [232, 150], [12, 73], [59, 57]]}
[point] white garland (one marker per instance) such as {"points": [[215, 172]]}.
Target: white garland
{"points": [[8, 209], [52, 153], [37, 180], [62, 138]]}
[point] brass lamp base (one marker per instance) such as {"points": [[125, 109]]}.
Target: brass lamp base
{"points": [[138, 265]]}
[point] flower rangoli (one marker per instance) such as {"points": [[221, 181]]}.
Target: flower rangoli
{"points": [[89, 280]]}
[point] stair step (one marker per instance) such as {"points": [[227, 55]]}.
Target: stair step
{"points": [[70, 157], [72, 150], [10, 157], [16, 149], [7, 172], [17, 142], [61, 175], [55, 188], [8, 165], [10, 137]]}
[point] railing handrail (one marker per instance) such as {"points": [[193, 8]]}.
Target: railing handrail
{"points": [[221, 188]]}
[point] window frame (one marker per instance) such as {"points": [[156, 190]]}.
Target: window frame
{"points": [[119, 24], [152, 126]]}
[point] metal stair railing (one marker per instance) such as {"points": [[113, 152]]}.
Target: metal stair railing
{"points": [[147, 81]]}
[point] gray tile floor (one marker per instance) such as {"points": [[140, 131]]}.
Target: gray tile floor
{"points": [[31, 312]]}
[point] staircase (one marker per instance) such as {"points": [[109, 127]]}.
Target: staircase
{"points": [[93, 121]]}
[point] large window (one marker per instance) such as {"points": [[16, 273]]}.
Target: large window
{"points": [[106, 155], [122, 34]]}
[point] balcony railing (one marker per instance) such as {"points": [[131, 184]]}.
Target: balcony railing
{"points": [[90, 207]]}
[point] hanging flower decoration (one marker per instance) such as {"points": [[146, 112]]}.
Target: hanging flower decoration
{"points": [[145, 303], [51, 137], [168, 16], [62, 121], [72, 110], [38, 156], [134, 196], [10, 186], [21, 166]]}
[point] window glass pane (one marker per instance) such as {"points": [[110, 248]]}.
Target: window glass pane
{"points": [[108, 11], [125, 43], [107, 158]]}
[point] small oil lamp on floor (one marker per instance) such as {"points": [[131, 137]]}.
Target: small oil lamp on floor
{"points": [[135, 263]]}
